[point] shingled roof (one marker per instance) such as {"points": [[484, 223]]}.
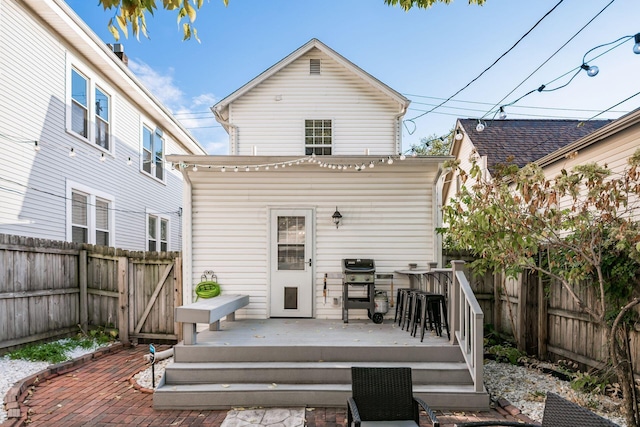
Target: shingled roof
{"points": [[525, 141]]}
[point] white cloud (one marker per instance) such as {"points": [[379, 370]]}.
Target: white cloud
{"points": [[193, 112]]}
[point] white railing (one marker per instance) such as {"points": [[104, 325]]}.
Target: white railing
{"points": [[467, 321]]}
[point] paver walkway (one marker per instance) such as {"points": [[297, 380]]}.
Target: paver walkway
{"points": [[98, 393]]}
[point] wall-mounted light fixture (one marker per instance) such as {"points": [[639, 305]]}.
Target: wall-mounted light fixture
{"points": [[336, 217]]}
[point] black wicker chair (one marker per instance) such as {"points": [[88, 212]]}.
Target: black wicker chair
{"points": [[384, 397], [558, 412]]}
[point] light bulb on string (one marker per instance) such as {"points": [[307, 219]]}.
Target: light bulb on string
{"points": [[459, 135], [235, 169], [36, 147], [223, 169], [246, 169], [390, 160], [195, 168], [480, 126], [129, 161], [372, 165], [636, 47], [402, 156], [72, 152], [591, 70], [502, 114], [103, 158]]}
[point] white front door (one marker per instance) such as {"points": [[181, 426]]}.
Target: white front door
{"points": [[291, 263]]}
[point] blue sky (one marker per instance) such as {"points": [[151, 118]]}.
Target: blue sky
{"points": [[427, 55]]}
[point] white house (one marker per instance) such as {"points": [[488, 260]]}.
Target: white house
{"points": [[311, 135], [83, 141]]}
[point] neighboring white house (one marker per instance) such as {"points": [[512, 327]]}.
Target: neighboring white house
{"points": [[83, 142], [312, 135], [509, 141]]}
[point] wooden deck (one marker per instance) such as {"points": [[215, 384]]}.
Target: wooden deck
{"points": [[307, 362]]}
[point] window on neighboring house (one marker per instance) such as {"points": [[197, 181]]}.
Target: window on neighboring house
{"points": [[89, 102], [91, 216], [153, 152], [157, 233], [314, 66], [102, 119], [79, 104], [317, 137], [80, 218]]}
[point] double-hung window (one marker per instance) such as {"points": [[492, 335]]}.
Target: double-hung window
{"points": [[318, 137], [91, 110], [157, 233], [153, 152], [90, 215]]}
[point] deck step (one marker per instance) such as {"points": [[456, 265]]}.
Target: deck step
{"points": [[307, 353], [224, 396], [306, 372]]}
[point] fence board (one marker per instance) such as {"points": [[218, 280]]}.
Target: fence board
{"points": [[47, 288]]}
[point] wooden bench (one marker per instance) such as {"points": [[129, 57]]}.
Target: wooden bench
{"points": [[208, 311]]}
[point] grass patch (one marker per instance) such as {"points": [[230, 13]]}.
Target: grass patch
{"points": [[56, 352]]}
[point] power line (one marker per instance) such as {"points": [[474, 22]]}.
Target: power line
{"points": [[491, 66], [548, 59]]}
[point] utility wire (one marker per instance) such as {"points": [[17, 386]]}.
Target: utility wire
{"points": [[490, 66], [548, 59]]}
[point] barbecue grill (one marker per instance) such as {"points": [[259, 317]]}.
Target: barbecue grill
{"points": [[358, 287]]}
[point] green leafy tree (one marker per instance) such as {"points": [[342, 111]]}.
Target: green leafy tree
{"points": [[133, 13], [434, 145], [424, 4], [580, 228]]}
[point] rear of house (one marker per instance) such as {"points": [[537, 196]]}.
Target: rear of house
{"points": [[312, 135]]}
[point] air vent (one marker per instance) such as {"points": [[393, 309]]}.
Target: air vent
{"points": [[314, 66]]}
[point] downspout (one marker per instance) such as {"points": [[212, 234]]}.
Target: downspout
{"points": [[187, 238], [398, 121], [232, 130], [437, 215]]}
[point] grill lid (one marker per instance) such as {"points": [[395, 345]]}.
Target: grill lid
{"points": [[358, 265]]}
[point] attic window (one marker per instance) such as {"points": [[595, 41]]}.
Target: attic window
{"points": [[314, 66]]}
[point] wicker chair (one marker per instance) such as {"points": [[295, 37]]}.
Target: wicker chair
{"points": [[558, 412], [384, 397]]}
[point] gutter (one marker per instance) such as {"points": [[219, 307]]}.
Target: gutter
{"points": [[231, 129]]}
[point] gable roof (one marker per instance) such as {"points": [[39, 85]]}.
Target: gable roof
{"points": [[219, 108], [525, 141]]}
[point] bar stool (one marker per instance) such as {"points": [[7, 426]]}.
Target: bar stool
{"points": [[401, 297], [435, 308], [417, 317], [409, 308]]}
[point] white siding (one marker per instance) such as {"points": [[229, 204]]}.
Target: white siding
{"points": [[362, 116], [33, 75], [386, 216]]}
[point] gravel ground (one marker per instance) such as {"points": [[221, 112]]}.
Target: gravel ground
{"points": [[523, 387], [12, 371]]}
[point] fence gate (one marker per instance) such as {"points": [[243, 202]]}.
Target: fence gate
{"points": [[154, 288]]}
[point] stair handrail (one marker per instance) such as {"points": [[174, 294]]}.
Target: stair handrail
{"points": [[467, 321]]}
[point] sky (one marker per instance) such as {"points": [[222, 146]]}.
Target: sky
{"points": [[428, 55]]}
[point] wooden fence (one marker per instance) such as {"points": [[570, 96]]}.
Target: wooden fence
{"points": [[48, 289], [544, 318]]}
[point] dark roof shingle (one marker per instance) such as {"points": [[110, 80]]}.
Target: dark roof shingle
{"points": [[525, 141]]}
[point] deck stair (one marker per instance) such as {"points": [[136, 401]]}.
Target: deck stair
{"points": [[280, 362]]}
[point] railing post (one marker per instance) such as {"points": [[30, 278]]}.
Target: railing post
{"points": [[454, 299]]}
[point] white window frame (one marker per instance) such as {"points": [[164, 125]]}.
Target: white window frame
{"points": [[159, 217], [155, 131], [92, 195], [93, 83], [313, 147]]}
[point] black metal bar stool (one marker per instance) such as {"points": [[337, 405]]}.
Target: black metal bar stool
{"points": [[401, 297], [434, 307], [417, 315], [409, 308]]}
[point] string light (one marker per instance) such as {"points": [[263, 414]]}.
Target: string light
{"points": [[480, 126], [636, 46], [195, 168], [129, 161], [502, 114], [103, 158], [459, 135], [72, 152], [36, 146]]}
